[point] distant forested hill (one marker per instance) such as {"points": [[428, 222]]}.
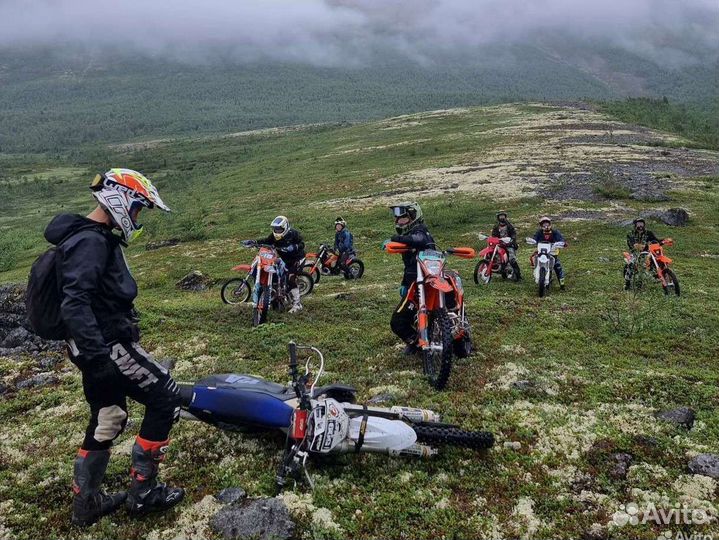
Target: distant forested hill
{"points": [[52, 103]]}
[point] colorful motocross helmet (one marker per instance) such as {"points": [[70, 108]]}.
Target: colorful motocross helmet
{"points": [[637, 221], [122, 193], [411, 210], [280, 226], [543, 220], [340, 221]]}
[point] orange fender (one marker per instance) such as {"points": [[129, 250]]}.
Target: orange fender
{"points": [[242, 268], [439, 283]]}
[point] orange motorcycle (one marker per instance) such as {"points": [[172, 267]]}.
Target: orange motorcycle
{"points": [[443, 330], [650, 261], [326, 262]]}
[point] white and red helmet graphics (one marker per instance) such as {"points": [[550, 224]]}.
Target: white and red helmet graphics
{"points": [[123, 193]]}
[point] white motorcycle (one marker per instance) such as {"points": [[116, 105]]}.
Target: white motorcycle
{"points": [[319, 421], [544, 263]]}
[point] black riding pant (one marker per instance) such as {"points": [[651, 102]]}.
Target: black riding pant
{"points": [[403, 322], [138, 377]]}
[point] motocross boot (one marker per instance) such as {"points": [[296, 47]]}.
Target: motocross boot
{"points": [[296, 304], [90, 503], [146, 494], [410, 349], [561, 284], [517, 271]]}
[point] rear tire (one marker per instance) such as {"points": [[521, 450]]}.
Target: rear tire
{"points": [[672, 282], [305, 283], [235, 291], [542, 282], [453, 436], [259, 314], [438, 365], [308, 270], [483, 272], [354, 270]]}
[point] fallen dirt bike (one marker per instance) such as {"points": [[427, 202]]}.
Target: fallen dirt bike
{"points": [[271, 283], [319, 420], [494, 259], [326, 263], [543, 262], [443, 329], [653, 262]]}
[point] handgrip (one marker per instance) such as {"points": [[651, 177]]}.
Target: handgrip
{"points": [[293, 354]]}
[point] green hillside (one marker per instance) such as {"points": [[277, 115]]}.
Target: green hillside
{"points": [[52, 101], [600, 362]]}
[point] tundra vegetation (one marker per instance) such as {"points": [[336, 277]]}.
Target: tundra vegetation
{"points": [[567, 383]]}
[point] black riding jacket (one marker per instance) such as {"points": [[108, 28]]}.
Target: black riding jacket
{"points": [[419, 239], [292, 240], [97, 289], [511, 232], [641, 237]]}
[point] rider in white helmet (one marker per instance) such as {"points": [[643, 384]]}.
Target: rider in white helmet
{"points": [[291, 248]]}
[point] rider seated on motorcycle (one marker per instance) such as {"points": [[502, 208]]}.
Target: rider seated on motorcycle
{"points": [[411, 230], [638, 240], [503, 228], [291, 248], [344, 244], [546, 234]]}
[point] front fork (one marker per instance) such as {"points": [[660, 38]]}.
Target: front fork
{"points": [[423, 315], [258, 287]]}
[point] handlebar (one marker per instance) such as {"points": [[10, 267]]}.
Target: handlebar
{"points": [[399, 247], [299, 382]]}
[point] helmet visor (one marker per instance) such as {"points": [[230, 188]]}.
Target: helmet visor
{"points": [[399, 211], [278, 229]]}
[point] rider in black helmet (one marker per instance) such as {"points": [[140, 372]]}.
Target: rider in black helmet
{"points": [[411, 230], [503, 228], [637, 240]]}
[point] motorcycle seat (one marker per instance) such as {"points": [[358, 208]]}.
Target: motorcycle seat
{"points": [[248, 383]]}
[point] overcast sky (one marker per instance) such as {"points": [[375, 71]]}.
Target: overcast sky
{"points": [[338, 32]]}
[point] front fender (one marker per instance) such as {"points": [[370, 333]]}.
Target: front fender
{"points": [[438, 283]]}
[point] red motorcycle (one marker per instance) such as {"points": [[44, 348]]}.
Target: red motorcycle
{"points": [[327, 263], [494, 259]]}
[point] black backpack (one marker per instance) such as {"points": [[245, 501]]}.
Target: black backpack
{"points": [[43, 296]]}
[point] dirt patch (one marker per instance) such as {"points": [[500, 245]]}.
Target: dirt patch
{"points": [[567, 154]]}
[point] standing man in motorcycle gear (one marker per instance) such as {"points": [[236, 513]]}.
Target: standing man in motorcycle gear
{"points": [[502, 229], [96, 292], [344, 244], [637, 240], [547, 234], [291, 248], [411, 230]]}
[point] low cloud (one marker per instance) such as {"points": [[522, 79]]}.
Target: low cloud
{"points": [[342, 32]]}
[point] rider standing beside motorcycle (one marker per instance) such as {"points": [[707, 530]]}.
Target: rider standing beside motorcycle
{"points": [[547, 234], [291, 248], [411, 230], [344, 245], [502, 229], [96, 306], [637, 241]]}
